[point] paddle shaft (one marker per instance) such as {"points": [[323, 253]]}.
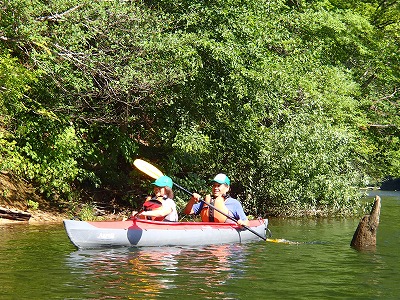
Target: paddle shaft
{"points": [[221, 212]]}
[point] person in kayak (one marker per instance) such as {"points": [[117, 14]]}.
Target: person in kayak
{"points": [[160, 206], [221, 200]]}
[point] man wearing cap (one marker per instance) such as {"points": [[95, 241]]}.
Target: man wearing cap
{"points": [[220, 200], [164, 195]]}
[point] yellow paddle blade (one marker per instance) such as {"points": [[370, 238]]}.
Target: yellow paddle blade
{"points": [[283, 241], [147, 168]]}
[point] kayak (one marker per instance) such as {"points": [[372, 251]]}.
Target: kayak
{"points": [[147, 233]]}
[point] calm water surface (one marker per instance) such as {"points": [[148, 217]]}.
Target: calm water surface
{"points": [[39, 262]]}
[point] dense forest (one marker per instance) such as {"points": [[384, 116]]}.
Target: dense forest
{"points": [[296, 101]]}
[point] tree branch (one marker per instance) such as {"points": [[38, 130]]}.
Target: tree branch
{"points": [[381, 125], [390, 96], [57, 17]]}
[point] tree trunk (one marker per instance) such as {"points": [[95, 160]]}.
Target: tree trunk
{"points": [[365, 235], [14, 214]]}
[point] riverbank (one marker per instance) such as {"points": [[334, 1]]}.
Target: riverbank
{"points": [[37, 217], [20, 197]]}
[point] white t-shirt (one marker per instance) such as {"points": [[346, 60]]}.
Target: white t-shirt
{"points": [[173, 216]]}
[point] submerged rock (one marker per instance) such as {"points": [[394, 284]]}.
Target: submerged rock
{"points": [[365, 235]]}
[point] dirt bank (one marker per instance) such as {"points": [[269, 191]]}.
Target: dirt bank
{"points": [[15, 194], [20, 196]]}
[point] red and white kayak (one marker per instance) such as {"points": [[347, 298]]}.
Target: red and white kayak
{"points": [[137, 233]]}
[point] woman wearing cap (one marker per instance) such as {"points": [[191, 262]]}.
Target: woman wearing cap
{"points": [[221, 200], [163, 194]]}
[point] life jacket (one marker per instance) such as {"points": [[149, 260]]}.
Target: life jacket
{"points": [[152, 204], [209, 214]]}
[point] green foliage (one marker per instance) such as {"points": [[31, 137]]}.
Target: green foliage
{"points": [[11, 159], [32, 204], [106, 156], [50, 156], [296, 101], [315, 167], [15, 81], [87, 212]]}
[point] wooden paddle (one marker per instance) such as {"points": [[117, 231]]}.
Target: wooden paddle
{"points": [[155, 173]]}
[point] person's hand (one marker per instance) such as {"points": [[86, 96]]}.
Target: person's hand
{"points": [[133, 215], [196, 197], [242, 223]]}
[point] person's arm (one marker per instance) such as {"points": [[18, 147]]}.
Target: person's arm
{"points": [[188, 210], [240, 215], [159, 212]]}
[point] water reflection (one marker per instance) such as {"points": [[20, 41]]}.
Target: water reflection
{"points": [[152, 271]]}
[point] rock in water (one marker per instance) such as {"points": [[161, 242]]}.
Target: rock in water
{"points": [[365, 235]]}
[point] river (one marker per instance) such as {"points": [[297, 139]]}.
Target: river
{"points": [[39, 262]]}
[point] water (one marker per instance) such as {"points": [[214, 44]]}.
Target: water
{"points": [[39, 262]]}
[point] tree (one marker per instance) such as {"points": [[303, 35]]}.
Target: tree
{"points": [[296, 101]]}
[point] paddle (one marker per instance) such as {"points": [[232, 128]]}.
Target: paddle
{"points": [[153, 172]]}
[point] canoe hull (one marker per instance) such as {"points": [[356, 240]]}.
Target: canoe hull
{"points": [[143, 233]]}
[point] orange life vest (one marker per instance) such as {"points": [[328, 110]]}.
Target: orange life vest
{"points": [[209, 214], [152, 204]]}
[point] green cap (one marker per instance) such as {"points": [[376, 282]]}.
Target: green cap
{"points": [[222, 179], [163, 181]]}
